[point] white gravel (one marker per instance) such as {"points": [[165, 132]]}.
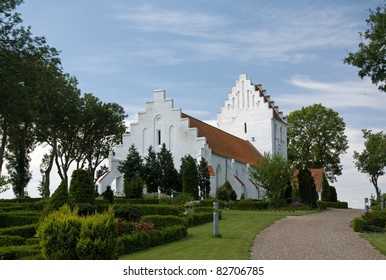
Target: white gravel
{"points": [[321, 236]]}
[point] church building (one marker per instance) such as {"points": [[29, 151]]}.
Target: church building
{"points": [[249, 125]]}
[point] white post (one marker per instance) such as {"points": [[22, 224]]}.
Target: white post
{"points": [[215, 219]]}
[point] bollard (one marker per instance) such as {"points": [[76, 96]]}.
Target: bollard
{"points": [[366, 204], [215, 219]]}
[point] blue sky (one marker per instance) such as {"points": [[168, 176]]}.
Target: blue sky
{"points": [[122, 50]]}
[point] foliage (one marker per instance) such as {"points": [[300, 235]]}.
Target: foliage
{"points": [[25, 231], [357, 224], [169, 179], [195, 219], [371, 55], [182, 198], [163, 221], [10, 240], [134, 188], [307, 189], [316, 139], [20, 252], [58, 199], [8, 219], [189, 174], [129, 213], [151, 209], [81, 187], [108, 195], [59, 233], [152, 171], [98, 237], [249, 205], [372, 160], [273, 174], [208, 202], [326, 193], [333, 194], [204, 178], [374, 220], [226, 192], [3, 184], [329, 204], [132, 165]]}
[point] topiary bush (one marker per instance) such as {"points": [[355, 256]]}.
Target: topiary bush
{"points": [[357, 224], [134, 187], [161, 209], [129, 213], [57, 200], [98, 236], [82, 187], [108, 195], [58, 234], [226, 192]]}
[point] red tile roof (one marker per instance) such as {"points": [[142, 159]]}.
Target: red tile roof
{"points": [[225, 144]]}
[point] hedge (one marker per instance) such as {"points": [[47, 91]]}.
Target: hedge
{"points": [[249, 205], [329, 204], [357, 224], [196, 219], [141, 240], [26, 231], [162, 221], [209, 203], [18, 219], [20, 252], [10, 240], [161, 209]]}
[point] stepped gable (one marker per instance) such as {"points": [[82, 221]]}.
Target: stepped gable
{"points": [[278, 115], [225, 144]]}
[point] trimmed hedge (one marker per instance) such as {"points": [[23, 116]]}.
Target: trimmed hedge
{"points": [[141, 240], [18, 219], [249, 205], [162, 221], [20, 252], [357, 224], [196, 219], [136, 201], [11, 240], [330, 204], [161, 209], [209, 203], [26, 231]]}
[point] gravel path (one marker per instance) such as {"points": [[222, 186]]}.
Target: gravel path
{"points": [[321, 236]]}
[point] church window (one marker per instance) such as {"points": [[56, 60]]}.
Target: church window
{"points": [[158, 137], [245, 128]]}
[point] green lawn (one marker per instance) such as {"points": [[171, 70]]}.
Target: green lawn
{"points": [[377, 239], [237, 228]]}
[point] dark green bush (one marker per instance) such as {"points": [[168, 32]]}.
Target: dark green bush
{"points": [[130, 213], [26, 231], [121, 200], [57, 200], [82, 188], [195, 219], [209, 203], [249, 205], [8, 219], [226, 192], [98, 236], [108, 195], [59, 233], [141, 240], [160, 221], [134, 187], [374, 220], [149, 209], [182, 198], [358, 224], [19, 252], [10, 240], [86, 209], [330, 204]]}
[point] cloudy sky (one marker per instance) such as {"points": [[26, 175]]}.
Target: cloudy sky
{"points": [[122, 50]]}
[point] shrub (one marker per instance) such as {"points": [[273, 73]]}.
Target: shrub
{"points": [[108, 195], [374, 220], [329, 204], [195, 219], [25, 231], [307, 189], [161, 209], [182, 198], [358, 224], [57, 200], [209, 203], [20, 252], [134, 187], [333, 194], [326, 190], [130, 213], [249, 205], [58, 234], [98, 235], [82, 187], [9, 240], [86, 209], [18, 219], [226, 192], [160, 221]]}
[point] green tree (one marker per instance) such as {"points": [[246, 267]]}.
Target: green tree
{"points": [[134, 187], [333, 194], [204, 178], [371, 55], [226, 192], [58, 199], [169, 178], [372, 160], [189, 175], [273, 174], [152, 171], [326, 190], [81, 187], [307, 189], [316, 139], [133, 164]]}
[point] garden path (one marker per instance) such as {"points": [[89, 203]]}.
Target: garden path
{"points": [[321, 236]]}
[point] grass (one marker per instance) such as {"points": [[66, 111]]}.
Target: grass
{"points": [[378, 240], [237, 230]]}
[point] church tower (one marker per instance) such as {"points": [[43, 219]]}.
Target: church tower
{"points": [[249, 113]]}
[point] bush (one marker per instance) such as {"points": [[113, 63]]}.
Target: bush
{"points": [[108, 195], [18, 219], [374, 220], [160, 221], [20, 252], [161, 209], [358, 224], [98, 235], [182, 198], [329, 204], [82, 187], [57, 200], [10, 240], [249, 205], [58, 234], [86, 209], [134, 187], [196, 219], [226, 192], [129, 213], [209, 203], [26, 231], [141, 240]]}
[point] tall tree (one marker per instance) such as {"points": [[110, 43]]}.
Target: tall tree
{"points": [[132, 165], [316, 139], [169, 179], [372, 160], [371, 56], [189, 175], [152, 171], [273, 174], [204, 178], [307, 189]]}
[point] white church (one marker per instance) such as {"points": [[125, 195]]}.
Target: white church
{"points": [[248, 125]]}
